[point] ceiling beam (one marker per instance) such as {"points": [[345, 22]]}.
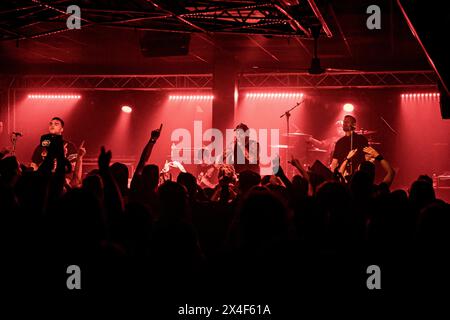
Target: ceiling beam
{"points": [[303, 80], [319, 16], [178, 17], [341, 32], [416, 35], [262, 48]]}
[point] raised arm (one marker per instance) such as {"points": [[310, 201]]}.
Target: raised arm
{"points": [[279, 172], [296, 163], [113, 199], [145, 155], [390, 172], [334, 164], [78, 170], [344, 163]]}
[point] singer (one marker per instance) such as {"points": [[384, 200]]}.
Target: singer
{"points": [[351, 141], [245, 151], [55, 128]]}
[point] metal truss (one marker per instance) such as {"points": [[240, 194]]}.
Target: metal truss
{"points": [[111, 82], [334, 80], [28, 19], [386, 79]]}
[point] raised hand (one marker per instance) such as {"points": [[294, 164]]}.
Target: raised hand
{"points": [[81, 150], [371, 151], [156, 133], [295, 162], [276, 164], [104, 159], [351, 153]]}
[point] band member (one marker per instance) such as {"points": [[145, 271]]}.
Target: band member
{"points": [[207, 171], [245, 152], [55, 128], [351, 141], [330, 142]]}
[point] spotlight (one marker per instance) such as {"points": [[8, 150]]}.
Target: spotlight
{"points": [[348, 107], [126, 109]]}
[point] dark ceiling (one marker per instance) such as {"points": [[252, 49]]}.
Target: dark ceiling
{"points": [[263, 36]]}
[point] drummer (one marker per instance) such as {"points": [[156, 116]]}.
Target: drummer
{"points": [[329, 143]]}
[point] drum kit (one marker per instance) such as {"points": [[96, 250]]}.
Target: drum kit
{"points": [[299, 147], [299, 144], [307, 152], [369, 135]]}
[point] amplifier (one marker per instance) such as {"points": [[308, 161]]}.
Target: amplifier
{"points": [[443, 181]]}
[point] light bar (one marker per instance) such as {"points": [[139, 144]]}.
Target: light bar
{"points": [[274, 95], [54, 96], [191, 97], [420, 95]]}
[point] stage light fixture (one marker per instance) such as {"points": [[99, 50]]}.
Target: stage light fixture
{"points": [[420, 95], [54, 96], [127, 109], [274, 95], [348, 107]]}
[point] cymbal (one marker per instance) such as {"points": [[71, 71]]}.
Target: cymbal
{"points": [[365, 131], [187, 149], [281, 146], [296, 134], [316, 150]]}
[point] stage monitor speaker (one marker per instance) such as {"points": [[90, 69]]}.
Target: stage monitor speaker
{"points": [[322, 170], [164, 44]]}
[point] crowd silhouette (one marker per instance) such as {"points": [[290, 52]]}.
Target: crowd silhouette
{"points": [[306, 232]]}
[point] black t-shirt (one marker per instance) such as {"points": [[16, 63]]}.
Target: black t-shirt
{"points": [[40, 152], [251, 163], [344, 145]]}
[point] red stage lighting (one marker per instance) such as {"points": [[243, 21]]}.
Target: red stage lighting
{"points": [[54, 96], [273, 95], [127, 109], [191, 97], [348, 107], [420, 95]]}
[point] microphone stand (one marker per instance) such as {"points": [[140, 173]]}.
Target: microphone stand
{"points": [[350, 162], [387, 124], [287, 114]]}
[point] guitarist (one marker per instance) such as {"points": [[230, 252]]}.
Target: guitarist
{"points": [[351, 141]]}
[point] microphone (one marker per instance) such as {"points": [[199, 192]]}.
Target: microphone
{"points": [[18, 134]]}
